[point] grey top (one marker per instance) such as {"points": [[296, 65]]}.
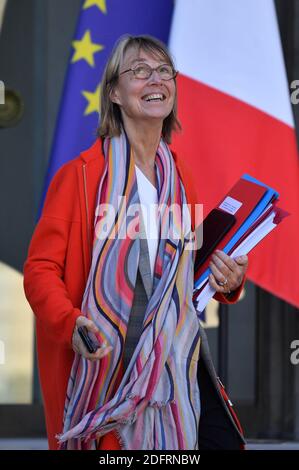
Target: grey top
{"points": [[143, 290], [135, 321]]}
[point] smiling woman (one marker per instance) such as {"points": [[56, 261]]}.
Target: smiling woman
{"points": [[144, 83], [145, 66], [139, 94], [151, 384]]}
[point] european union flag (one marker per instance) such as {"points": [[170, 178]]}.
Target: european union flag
{"points": [[101, 23]]}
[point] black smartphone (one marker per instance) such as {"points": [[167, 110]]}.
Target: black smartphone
{"points": [[88, 339], [214, 227]]}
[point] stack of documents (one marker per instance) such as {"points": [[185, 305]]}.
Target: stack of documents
{"points": [[254, 207]]}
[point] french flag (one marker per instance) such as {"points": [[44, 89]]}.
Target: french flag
{"points": [[235, 111]]}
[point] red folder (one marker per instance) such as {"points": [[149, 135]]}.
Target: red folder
{"points": [[247, 193]]}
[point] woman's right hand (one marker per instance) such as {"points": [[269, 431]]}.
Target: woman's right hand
{"points": [[78, 345]]}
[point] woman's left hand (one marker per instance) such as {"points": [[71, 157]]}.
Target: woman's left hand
{"points": [[227, 273]]}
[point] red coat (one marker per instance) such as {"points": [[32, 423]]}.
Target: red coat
{"points": [[56, 270]]}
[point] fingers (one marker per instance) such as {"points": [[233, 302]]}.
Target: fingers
{"points": [[89, 324], [79, 346], [219, 268], [223, 289], [242, 260], [227, 270], [222, 259], [220, 273], [99, 354]]}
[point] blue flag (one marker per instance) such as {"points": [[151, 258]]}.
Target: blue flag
{"points": [[101, 23]]}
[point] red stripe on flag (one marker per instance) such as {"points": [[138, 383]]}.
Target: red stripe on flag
{"points": [[223, 138]]}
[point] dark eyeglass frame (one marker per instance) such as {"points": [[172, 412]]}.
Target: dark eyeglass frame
{"points": [[151, 72]]}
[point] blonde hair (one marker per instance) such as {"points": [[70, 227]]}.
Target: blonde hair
{"points": [[110, 116]]}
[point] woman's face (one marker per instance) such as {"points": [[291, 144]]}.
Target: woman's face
{"points": [[135, 96]]}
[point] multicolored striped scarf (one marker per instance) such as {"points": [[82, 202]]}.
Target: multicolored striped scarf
{"points": [[156, 404]]}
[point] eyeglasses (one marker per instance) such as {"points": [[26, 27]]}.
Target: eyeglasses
{"points": [[144, 71]]}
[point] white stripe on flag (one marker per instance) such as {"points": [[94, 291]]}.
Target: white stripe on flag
{"points": [[233, 46]]}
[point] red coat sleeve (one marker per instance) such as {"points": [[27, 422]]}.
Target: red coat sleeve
{"points": [[44, 268]]}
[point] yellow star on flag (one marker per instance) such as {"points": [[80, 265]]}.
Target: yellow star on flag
{"points": [[85, 49], [93, 100], [101, 4]]}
